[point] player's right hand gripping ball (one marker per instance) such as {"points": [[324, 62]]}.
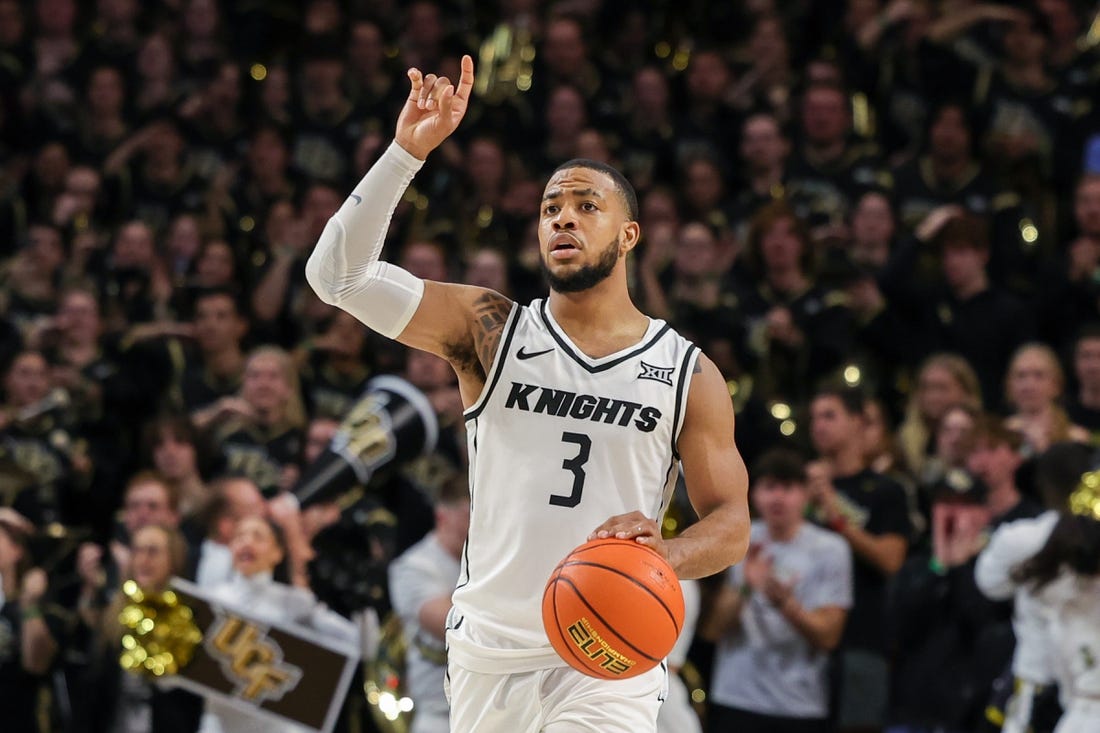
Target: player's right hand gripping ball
{"points": [[613, 608]]}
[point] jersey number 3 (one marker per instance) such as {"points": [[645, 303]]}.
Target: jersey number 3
{"points": [[574, 465]]}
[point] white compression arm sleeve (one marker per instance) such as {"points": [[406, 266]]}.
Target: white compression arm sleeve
{"points": [[344, 269]]}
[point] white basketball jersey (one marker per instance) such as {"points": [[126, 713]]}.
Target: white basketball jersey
{"points": [[558, 442]]}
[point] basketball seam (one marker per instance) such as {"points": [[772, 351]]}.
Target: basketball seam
{"points": [[557, 623], [601, 619], [632, 579]]}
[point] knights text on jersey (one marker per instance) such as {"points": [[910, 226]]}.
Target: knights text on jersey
{"points": [[558, 443]]}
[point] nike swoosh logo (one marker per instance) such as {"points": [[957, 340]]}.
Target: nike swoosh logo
{"points": [[358, 199], [523, 355]]}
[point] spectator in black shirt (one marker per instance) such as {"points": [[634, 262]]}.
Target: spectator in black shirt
{"points": [[215, 370], [266, 179], [102, 125], [764, 152], [40, 454], [830, 167], [994, 460], [32, 276], [971, 317], [796, 331], [649, 132], [261, 430], [172, 447], [150, 176], [696, 298], [30, 631], [325, 124], [952, 641], [870, 512], [948, 172], [185, 367], [706, 118], [334, 366], [1072, 295], [1083, 406], [157, 86], [374, 87]]}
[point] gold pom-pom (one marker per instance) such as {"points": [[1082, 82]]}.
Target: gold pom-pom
{"points": [[160, 634], [1085, 499]]}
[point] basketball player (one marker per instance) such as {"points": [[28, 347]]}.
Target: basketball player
{"points": [[579, 411]]}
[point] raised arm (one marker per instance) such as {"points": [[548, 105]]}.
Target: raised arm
{"points": [[344, 268], [717, 481]]}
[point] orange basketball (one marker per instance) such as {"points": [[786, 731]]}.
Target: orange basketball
{"points": [[613, 608]]}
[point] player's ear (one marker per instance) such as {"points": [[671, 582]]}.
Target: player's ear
{"points": [[629, 236]]}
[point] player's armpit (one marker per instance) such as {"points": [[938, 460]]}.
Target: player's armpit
{"points": [[491, 311], [461, 323], [717, 481]]}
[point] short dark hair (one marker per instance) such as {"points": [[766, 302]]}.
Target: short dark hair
{"points": [[783, 465], [966, 230], [852, 399], [1087, 332], [143, 477], [232, 293], [1058, 471], [179, 427], [454, 490], [630, 197], [972, 119], [766, 217], [991, 429]]}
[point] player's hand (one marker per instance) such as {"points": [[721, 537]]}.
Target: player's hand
{"points": [[433, 109], [633, 525]]}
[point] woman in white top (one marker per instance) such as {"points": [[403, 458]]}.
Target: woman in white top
{"points": [[1065, 576], [259, 547]]}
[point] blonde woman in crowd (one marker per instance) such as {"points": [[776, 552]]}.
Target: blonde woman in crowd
{"points": [[112, 700], [261, 431], [943, 380], [1034, 386], [260, 546], [883, 455]]}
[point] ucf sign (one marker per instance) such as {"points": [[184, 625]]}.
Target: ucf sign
{"points": [[280, 671]]}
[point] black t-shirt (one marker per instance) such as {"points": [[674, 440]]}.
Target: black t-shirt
{"points": [[789, 372], [1086, 417], [260, 454], [330, 393], [918, 191], [877, 505], [823, 193], [985, 329], [19, 688]]}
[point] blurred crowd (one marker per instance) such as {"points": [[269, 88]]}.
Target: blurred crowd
{"points": [[881, 220]]}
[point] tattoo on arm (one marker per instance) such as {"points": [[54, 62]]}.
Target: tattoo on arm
{"points": [[698, 368], [490, 314]]}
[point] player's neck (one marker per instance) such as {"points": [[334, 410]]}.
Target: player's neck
{"points": [[599, 316]]}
